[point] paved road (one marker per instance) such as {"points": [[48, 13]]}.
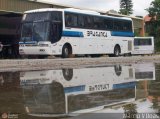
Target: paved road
{"points": [[57, 63]]}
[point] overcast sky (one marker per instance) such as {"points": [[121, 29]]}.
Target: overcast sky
{"points": [[105, 5]]}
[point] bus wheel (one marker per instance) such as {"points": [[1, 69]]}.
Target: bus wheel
{"points": [[66, 51], [118, 70], [117, 51], [67, 74]]}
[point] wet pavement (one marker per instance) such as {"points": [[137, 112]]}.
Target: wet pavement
{"points": [[104, 92]]}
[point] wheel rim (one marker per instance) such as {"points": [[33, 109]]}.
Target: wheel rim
{"points": [[66, 72], [117, 52], [66, 51]]}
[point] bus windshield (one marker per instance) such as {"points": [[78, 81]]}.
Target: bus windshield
{"points": [[35, 31]]}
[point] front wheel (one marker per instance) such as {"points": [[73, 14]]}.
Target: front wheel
{"points": [[67, 74], [66, 52]]}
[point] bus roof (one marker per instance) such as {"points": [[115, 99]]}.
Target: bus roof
{"points": [[82, 11], [74, 11], [43, 10]]}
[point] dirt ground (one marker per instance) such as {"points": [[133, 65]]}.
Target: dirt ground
{"points": [[58, 63]]}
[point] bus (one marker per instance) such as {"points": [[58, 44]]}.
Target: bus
{"points": [[143, 45], [69, 92], [144, 71], [68, 32]]}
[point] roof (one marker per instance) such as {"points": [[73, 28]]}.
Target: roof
{"points": [[43, 10], [147, 18]]}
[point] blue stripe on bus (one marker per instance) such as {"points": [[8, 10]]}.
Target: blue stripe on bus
{"points": [[124, 85], [74, 89], [72, 33], [125, 34]]}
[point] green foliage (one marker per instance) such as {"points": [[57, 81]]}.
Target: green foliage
{"points": [[130, 111], [126, 7], [154, 10], [154, 25]]}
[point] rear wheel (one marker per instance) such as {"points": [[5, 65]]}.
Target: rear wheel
{"points": [[117, 51]]}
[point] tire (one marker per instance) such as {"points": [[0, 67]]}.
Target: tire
{"points": [[117, 51], [118, 69], [67, 74], [66, 51]]}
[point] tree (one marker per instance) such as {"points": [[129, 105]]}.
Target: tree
{"points": [[154, 10], [154, 27], [126, 7]]}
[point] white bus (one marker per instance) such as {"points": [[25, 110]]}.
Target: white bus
{"points": [[143, 45], [69, 92], [71, 31], [66, 92]]}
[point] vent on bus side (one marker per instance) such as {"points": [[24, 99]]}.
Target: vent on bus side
{"points": [[129, 45], [130, 73]]}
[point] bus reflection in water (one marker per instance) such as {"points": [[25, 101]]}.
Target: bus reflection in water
{"points": [[65, 92]]}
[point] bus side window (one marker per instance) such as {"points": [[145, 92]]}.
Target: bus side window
{"points": [[88, 21], [98, 23], [74, 20], [108, 24], [118, 26], [80, 21], [128, 26], [68, 20]]}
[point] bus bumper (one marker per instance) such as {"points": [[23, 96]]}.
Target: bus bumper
{"points": [[35, 51]]}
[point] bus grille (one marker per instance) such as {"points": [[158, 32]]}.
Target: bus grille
{"points": [[129, 45]]}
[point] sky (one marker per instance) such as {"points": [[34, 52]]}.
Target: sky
{"points": [[105, 5]]}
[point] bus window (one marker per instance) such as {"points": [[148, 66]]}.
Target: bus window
{"points": [[127, 26], [68, 20], [56, 16], [56, 31], [98, 23], [80, 21], [108, 23], [118, 26], [37, 16], [40, 31], [74, 20], [88, 21], [26, 34]]}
